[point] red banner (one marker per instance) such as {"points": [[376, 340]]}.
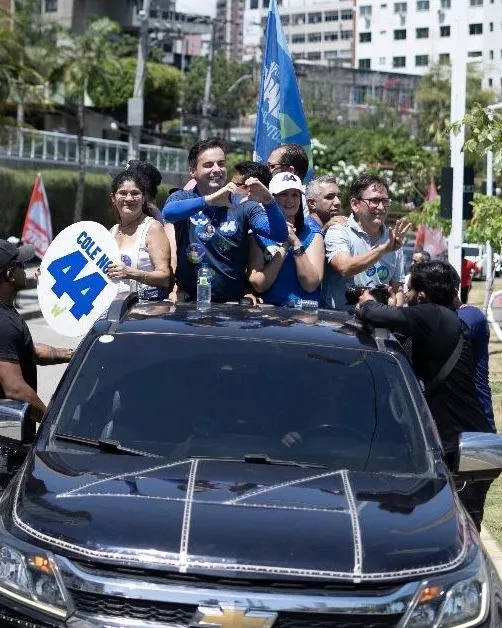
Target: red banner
{"points": [[37, 229]]}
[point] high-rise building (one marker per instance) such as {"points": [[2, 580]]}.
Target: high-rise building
{"points": [[413, 35], [229, 27], [75, 14], [319, 31]]}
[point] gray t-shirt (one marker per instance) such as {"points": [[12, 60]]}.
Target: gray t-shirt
{"points": [[353, 240]]}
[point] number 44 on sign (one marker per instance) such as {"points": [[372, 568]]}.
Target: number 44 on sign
{"points": [[74, 289]]}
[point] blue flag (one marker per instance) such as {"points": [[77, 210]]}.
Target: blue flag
{"points": [[280, 118]]}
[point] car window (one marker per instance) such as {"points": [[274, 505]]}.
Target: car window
{"points": [[181, 396]]}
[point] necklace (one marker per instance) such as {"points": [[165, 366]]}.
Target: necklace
{"points": [[134, 223]]}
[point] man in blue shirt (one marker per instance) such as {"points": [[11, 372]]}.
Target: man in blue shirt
{"points": [[212, 223]]}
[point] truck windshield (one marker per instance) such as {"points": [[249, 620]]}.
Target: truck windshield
{"points": [[189, 396]]}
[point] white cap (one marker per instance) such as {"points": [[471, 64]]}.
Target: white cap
{"points": [[284, 181]]}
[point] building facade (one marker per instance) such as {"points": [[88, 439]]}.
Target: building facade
{"points": [[412, 35], [321, 32], [229, 27], [344, 95]]}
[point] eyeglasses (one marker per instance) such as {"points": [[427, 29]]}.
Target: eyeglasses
{"points": [[272, 166], [121, 194], [373, 203]]}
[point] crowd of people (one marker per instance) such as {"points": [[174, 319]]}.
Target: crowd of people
{"points": [[268, 238]]}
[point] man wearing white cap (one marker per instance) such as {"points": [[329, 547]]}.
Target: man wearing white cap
{"points": [[290, 271], [18, 355]]}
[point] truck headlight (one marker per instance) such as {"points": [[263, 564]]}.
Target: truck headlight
{"points": [[31, 577], [451, 602]]}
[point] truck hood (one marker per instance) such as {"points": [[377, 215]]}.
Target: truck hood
{"points": [[239, 518]]}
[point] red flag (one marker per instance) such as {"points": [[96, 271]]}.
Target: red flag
{"points": [[37, 228], [432, 193]]}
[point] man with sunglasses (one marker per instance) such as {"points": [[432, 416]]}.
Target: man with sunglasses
{"points": [[18, 355], [364, 252]]}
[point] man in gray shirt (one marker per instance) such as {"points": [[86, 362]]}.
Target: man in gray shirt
{"points": [[364, 252]]}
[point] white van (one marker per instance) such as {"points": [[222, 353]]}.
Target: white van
{"points": [[477, 253]]}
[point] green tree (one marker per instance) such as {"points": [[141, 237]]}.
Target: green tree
{"points": [[162, 88], [402, 158], [486, 226], [30, 63], [430, 216], [227, 99], [485, 132], [84, 65], [433, 98]]}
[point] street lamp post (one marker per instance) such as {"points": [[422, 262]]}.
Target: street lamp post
{"points": [[204, 129], [489, 192], [135, 105], [457, 112]]}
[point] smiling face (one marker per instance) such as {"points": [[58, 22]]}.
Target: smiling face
{"points": [[289, 201], [128, 201], [370, 210], [210, 171]]}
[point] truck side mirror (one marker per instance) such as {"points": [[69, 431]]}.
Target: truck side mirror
{"points": [[480, 456], [16, 426]]}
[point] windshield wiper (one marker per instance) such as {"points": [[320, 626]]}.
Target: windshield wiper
{"points": [[264, 459], [105, 444]]}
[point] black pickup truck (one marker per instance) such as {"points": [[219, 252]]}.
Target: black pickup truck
{"points": [[239, 467]]}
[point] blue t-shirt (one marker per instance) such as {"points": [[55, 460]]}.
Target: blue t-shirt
{"points": [[286, 287], [315, 227], [218, 236], [479, 334]]}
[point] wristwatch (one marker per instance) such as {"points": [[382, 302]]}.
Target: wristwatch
{"points": [[299, 250]]}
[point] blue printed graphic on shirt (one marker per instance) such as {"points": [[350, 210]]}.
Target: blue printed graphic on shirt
{"points": [[226, 252]]}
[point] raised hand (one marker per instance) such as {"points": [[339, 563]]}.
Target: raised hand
{"points": [[399, 231], [397, 235], [256, 191], [221, 198]]}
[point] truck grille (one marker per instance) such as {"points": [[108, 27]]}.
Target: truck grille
{"points": [[182, 614], [334, 620], [107, 605]]}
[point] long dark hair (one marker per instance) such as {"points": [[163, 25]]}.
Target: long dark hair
{"points": [[299, 223], [139, 179]]}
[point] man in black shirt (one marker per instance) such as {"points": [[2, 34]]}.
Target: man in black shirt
{"points": [[435, 332], [18, 355]]}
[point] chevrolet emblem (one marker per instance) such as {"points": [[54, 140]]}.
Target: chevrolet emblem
{"points": [[232, 617]]}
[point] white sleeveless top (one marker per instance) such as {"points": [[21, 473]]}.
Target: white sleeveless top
{"points": [[136, 256]]}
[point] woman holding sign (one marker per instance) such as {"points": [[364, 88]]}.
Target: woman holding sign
{"points": [[144, 247]]}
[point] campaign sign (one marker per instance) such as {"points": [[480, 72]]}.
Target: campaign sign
{"points": [[73, 287]]}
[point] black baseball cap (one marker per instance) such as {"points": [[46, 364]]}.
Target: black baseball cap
{"points": [[11, 254]]}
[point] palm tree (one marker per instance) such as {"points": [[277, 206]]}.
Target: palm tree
{"points": [[29, 61], [84, 65]]}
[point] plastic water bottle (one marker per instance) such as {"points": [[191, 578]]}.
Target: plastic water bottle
{"points": [[303, 304], [204, 275]]}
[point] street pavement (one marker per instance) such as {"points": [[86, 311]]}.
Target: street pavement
{"points": [[49, 376]]}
